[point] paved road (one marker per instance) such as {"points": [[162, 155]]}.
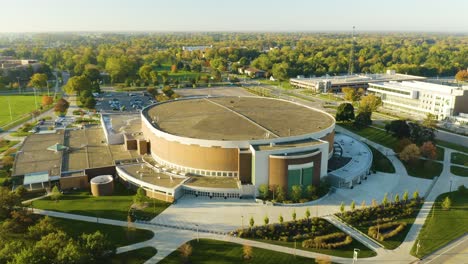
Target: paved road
{"points": [[455, 252]]}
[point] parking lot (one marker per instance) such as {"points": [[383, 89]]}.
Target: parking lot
{"points": [[123, 101]]}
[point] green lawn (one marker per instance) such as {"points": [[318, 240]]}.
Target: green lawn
{"points": [[459, 158], [20, 105], [112, 207], [440, 153], [425, 169], [376, 135], [460, 171], [380, 162], [452, 146], [218, 252], [6, 144], [137, 256], [443, 226], [118, 235]]}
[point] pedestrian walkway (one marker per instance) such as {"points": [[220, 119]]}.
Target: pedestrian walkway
{"points": [[356, 234]]}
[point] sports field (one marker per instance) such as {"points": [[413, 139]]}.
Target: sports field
{"points": [[20, 106]]}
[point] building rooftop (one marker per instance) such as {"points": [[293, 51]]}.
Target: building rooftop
{"points": [[359, 78], [212, 182], [147, 174], [422, 86], [34, 156], [237, 118], [287, 145]]}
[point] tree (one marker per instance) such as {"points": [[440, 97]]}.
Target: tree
{"points": [[430, 121], [92, 73], [345, 112], [21, 191], [145, 72], [61, 106], [369, 103], [363, 119], [296, 193], [55, 194], [415, 195], [353, 205], [307, 213], [251, 221], [428, 150], [153, 91], [247, 252], [462, 76], [311, 192], [280, 219], [447, 203], [174, 68], [294, 215], [47, 100], [9, 201], [374, 203], [385, 200], [280, 71], [97, 245], [154, 77], [185, 252], [38, 80], [8, 162], [363, 204], [350, 94], [410, 153], [264, 191], [342, 207], [397, 198], [42, 228], [420, 134], [78, 84], [266, 220], [402, 143], [280, 194], [140, 196], [90, 103], [405, 196], [398, 128]]}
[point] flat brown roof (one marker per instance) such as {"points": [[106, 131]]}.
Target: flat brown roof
{"points": [[237, 118]]}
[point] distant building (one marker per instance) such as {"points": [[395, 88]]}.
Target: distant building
{"points": [[9, 63], [326, 84], [196, 48], [252, 72], [422, 98]]}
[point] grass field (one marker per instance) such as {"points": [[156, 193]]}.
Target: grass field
{"points": [[452, 146], [459, 158], [460, 171], [376, 135], [137, 256], [6, 144], [425, 169], [115, 207], [20, 105], [118, 235], [380, 162], [443, 226], [218, 252]]}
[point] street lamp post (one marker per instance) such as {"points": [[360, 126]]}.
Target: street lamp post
{"points": [[355, 255], [450, 184], [242, 220], [9, 107], [295, 246]]}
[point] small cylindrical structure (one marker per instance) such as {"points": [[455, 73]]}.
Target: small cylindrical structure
{"points": [[102, 185]]}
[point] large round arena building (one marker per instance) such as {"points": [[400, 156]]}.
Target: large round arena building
{"points": [[257, 140]]}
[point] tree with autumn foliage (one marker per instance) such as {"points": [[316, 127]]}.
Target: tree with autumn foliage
{"points": [[462, 76], [61, 106], [47, 100], [410, 153], [428, 150]]}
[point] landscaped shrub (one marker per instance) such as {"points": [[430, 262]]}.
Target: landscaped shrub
{"points": [[330, 241], [381, 231]]}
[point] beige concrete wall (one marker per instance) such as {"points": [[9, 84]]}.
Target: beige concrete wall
{"points": [[160, 196], [330, 138], [278, 169], [194, 156], [105, 189], [80, 182]]}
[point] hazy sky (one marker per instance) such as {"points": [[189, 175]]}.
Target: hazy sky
{"points": [[233, 15]]}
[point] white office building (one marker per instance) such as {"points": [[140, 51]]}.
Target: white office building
{"points": [[421, 98]]}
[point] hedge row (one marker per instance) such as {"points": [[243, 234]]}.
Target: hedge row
{"points": [[331, 241], [372, 232]]}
